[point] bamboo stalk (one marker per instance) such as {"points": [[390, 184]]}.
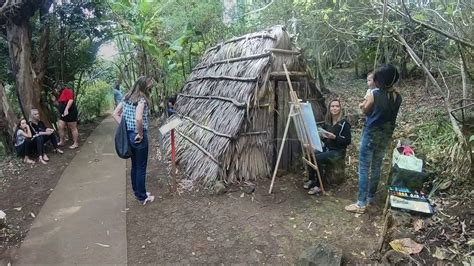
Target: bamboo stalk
{"points": [[206, 128], [242, 79], [211, 97], [199, 147], [234, 59]]}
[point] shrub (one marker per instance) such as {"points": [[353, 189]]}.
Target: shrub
{"points": [[94, 100]]}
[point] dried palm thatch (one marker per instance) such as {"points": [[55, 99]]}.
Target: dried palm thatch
{"points": [[227, 106]]}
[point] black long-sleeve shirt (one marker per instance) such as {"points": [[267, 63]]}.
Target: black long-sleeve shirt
{"points": [[342, 130]]}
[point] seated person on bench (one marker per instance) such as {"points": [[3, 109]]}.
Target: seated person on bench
{"points": [[336, 136]]}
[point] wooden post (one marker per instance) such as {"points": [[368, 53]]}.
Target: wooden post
{"points": [[173, 162]]}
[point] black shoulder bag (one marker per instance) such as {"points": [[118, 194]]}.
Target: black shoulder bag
{"points": [[122, 144]]}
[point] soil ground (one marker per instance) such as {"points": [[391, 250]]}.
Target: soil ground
{"points": [[237, 227], [24, 189]]}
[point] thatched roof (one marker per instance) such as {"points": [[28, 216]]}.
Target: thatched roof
{"points": [[227, 107]]}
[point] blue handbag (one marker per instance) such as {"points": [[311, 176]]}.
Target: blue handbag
{"points": [[122, 144]]}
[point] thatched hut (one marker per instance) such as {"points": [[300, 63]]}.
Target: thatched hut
{"points": [[234, 106]]}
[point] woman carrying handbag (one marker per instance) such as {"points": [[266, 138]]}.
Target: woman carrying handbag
{"points": [[134, 108]]}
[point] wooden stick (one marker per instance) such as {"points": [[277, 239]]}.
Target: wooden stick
{"points": [[277, 74], [242, 79], [199, 147], [282, 51], [173, 163], [254, 133], [206, 128], [281, 149], [235, 59], [262, 36], [211, 97]]}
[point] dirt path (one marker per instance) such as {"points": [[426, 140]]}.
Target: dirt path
{"points": [[196, 227]]}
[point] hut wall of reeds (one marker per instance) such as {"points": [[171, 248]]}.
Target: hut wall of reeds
{"points": [[234, 107]]}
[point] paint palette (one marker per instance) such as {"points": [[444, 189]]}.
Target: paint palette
{"points": [[403, 198]]}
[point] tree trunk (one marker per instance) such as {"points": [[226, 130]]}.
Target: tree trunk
{"points": [[41, 65], [19, 44], [8, 120]]}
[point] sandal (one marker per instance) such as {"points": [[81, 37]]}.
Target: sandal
{"points": [[74, 146], [28, 160], [355, 208], [314, 190]]}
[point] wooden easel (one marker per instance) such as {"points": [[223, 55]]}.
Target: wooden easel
{"points": [[303, 135]]}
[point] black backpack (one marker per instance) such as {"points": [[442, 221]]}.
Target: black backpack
{"points": [[122, 144]]}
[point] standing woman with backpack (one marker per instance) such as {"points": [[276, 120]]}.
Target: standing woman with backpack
{"points": [[134, 108]]}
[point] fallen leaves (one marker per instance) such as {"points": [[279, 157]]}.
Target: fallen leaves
{"points": [[406, 246], [418, 225]]}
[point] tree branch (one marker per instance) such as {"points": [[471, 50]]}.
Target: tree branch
{"points": [[418, 61], [433, 28]]}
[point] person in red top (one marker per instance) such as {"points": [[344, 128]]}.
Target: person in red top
{"points": [[68, 116]]}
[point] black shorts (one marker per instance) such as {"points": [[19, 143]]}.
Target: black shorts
{"points": [[71, 117]]}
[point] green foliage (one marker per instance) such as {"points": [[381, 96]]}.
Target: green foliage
{"points": [[94, 100], [77, 31], [443, 154], [165, 39]]}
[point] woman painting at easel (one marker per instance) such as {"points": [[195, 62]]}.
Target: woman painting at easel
{"points": [[336, 136]]}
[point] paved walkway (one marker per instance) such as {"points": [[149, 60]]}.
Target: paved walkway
{"points": [[84, 220]]}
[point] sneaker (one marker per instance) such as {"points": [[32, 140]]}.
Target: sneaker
{"points": [[149, 198], [45, 157], [314, 190], [355, 208], [308, 184]]}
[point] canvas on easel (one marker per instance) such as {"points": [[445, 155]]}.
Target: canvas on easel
{"points": [[308, 118], [305, 135]]}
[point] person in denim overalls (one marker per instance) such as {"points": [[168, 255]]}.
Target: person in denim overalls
{"points": [[134, 107], [381, 109]]}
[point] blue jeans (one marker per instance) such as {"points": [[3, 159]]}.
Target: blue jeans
{"points": [[372, 150], [323, 159], [139, 163]]}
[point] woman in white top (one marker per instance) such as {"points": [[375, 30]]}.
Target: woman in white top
{"points": [[27, 145]]}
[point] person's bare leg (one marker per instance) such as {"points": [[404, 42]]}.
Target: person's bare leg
{"points": [[75, 134], [62, 133]]}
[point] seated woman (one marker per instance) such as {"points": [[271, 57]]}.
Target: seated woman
{"points": [[27, 145], [38, 128], [336, 136]]}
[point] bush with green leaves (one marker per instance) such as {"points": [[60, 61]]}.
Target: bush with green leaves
{"points": [[94, 100]]}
